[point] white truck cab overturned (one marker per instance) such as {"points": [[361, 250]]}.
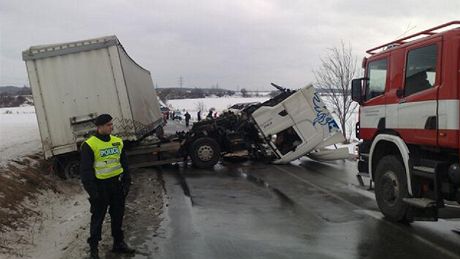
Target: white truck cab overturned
{"points": [[409, 122], [291, 125], [303, 119]]}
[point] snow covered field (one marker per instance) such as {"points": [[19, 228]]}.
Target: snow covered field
{"points": [[19, 133]]}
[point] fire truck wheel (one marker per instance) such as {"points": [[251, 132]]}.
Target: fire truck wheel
{"points": [[391, 188], [204, 152]]}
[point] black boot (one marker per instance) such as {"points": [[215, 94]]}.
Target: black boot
{"points": [[122, 248], [94, 253]]}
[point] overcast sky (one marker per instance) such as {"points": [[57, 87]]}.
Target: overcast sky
{"points": [[235, 43]]}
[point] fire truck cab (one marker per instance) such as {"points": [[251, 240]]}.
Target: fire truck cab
{"points": [[409, 122]]}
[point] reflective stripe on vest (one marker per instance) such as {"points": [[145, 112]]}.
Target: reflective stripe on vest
{"points": [[106, 156], [103, 164]]}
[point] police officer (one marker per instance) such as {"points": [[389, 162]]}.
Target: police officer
{"points": [[104, 174]]}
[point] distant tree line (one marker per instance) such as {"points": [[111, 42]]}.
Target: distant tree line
{"points": [[12, 96], [14, 90], [12, 101]]}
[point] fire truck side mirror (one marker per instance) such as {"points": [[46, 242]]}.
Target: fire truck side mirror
{"points": [[356, 90]]}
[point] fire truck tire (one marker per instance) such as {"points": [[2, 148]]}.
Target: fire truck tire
{"points": [[204, 152], [391, 188]]}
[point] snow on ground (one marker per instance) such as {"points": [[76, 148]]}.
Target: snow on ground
{"points": [[19, 133], [61, 218], [218, 103]]}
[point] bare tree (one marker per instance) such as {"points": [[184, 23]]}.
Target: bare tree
{"points": [[244, 92], [333, 79]]}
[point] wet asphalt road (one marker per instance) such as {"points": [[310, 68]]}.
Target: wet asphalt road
{"points": [[303, 210]]}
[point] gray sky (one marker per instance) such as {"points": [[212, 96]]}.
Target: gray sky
{"points": [[245, 43]]}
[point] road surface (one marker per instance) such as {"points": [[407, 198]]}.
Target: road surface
{"points": [[303, 210]]}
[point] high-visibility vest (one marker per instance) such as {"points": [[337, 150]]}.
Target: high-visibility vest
{"points": [[106, 156]]}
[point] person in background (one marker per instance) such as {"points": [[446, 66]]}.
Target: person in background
{"points": [[105, 177], [165, 117], [198, 115], [209, 116], [187, 118]]}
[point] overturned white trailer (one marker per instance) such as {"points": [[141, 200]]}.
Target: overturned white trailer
{"points": [[74, 82]]}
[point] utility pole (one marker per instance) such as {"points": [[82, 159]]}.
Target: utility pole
{"points": [[181, 81]]}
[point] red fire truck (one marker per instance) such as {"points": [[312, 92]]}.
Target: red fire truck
{"points": [[409, 122]]}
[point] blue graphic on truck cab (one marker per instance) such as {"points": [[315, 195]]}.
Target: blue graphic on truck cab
{"points": [[322, 116]]}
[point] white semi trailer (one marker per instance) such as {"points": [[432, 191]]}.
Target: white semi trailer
{"points": [[74, 82]]}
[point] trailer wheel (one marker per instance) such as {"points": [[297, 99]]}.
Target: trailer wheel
{"points": [[72, 169], [204, 152], [67, 166], [391, 188]]}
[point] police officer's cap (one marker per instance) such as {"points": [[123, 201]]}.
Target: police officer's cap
{"points": [[102, 119]]}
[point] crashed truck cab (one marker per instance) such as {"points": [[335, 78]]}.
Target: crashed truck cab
{"points": [[299, 125], [284, 128]]}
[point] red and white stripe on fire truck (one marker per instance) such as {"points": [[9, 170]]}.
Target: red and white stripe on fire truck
{"points": [[432, 123], [411, 115]]}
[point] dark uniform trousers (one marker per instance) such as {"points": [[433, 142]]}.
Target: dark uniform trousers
{"points": [[110, 195]]}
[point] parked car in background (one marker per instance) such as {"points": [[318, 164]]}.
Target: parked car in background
{"points": [[178, 115]]}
